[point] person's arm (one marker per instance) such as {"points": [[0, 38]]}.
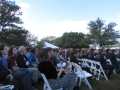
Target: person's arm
{"points": [[60, 73]]}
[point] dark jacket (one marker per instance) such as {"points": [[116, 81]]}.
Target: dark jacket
{"points": [[48, 69], [21, 61], [23, 79]]}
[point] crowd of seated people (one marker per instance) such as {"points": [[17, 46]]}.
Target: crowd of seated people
{"points": [[23, 65], [108, 58]]}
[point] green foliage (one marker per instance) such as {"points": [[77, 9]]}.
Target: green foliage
{"points": [[101, 33], [9, 15], [14, 37], [11, 31], [50, 39], [72, 40], [40, 44]]}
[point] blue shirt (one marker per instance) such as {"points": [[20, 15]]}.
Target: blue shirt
{"points": [[30, 57], [4, 61]]}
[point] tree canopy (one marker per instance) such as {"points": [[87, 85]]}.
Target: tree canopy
{"points": [[11, 30], [72, 40], [14, 37], [102, 34], [9, 15]]}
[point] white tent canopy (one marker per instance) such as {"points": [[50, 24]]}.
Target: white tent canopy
{"points": [[49, 45]]}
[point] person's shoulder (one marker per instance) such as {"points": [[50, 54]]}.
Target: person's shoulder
{"points": [[70, 75], [45, 62]]}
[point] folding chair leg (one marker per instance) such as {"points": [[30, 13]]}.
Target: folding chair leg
{"points": [[88, 84]]}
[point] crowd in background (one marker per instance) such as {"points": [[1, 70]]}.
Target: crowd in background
{"points": [[108, 58], [24, 64]]}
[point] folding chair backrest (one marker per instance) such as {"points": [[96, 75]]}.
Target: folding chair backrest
{"points": [[82, 76], [76, 66], [94, 67], [46, 83]]}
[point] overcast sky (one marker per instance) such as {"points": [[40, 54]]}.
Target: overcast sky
{"points": [[54, 17]]}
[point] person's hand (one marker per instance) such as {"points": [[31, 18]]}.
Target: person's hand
{"points": [[62, 70]]}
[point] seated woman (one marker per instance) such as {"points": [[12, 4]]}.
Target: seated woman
{"points": [[67, 82], [46, 66]]}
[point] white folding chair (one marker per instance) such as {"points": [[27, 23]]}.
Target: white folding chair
{"points": [[82, 75], [46, 83], [94, 67], [6, 87]]}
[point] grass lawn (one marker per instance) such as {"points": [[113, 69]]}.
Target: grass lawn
{"points": [[112, 84]]}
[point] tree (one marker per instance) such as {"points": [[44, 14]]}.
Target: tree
{"points": [[11, 30], [72, 40], [96, 28], [40, 44], [14, 37], [9, 15], [102, 34], [31, 39], [110, 34], [49, 39]]}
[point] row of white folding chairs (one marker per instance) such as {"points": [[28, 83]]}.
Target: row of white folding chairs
{"points": [[95, 68]]}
